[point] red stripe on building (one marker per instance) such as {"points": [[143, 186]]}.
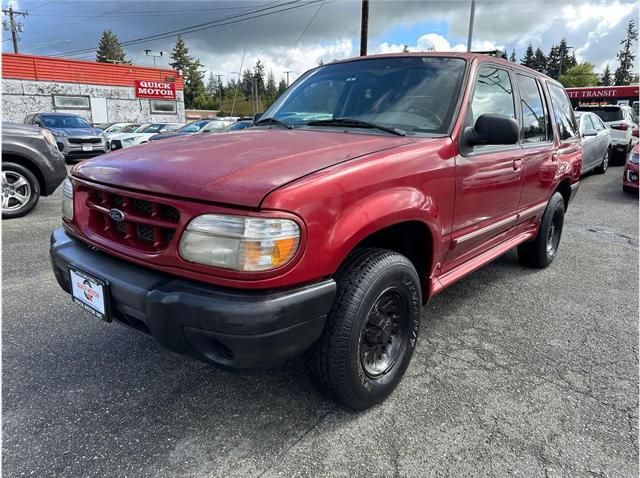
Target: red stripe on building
{"points": [[604, 92], [45, 68]]}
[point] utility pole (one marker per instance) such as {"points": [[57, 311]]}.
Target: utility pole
{"points": [[287, 72], [149, 53], [14, 26], [472, 15], [364, 27], [220, 89]]}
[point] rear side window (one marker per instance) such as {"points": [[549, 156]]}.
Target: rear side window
{"points": [[493, 94], [563, 114], [534, 115], [586, 124]]}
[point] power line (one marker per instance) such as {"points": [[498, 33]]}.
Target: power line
{"points": [[207, 25], [308, 24]]}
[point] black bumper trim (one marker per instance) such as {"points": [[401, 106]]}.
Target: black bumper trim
{"points": [[229, 327]]}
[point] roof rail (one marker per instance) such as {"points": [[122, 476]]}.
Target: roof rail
{"points": [[496, 53]]}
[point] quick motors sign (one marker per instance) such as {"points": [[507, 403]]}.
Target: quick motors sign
{"points": [[155, 90]]}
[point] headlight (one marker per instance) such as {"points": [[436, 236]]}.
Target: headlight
{"points": [[48, 137], [59, 133], [634, 158], [240, 243], [67, 199]]}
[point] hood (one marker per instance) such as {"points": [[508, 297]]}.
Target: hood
{"points": [[79, 131], [238, 168]]}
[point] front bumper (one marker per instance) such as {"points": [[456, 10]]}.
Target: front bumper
{"points": [[228, 327], [72, 147], [630, 176]]}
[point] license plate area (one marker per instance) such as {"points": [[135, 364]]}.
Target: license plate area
{"points": [[90, 292], [87, 147]]}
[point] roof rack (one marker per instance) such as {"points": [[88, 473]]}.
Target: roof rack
{"points": [[496, 53]]}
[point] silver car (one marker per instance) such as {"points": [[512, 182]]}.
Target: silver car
{"points": [[596, 142]]}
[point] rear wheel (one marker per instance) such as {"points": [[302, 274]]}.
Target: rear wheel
{"points": [[20, 190], [371, 331], [541, 251], [604, 165]]}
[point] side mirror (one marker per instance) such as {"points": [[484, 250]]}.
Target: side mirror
{"points": [[492, 129], [38, 123], [589, 132], [634, 132], [257, 116]]}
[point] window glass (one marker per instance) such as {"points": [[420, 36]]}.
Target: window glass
{"points": [[534, 117], [63, 121], [73, 102], [563, 114], [493, 94], [163, 107], [586, 124], [597, 123], [606, 113]]}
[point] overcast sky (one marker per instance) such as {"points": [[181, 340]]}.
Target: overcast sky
{"points": [[294, 35]]}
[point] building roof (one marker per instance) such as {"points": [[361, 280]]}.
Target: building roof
{"points": [[46, 68]]}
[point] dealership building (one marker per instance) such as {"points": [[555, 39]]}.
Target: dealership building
{"points": [[99, 92]]}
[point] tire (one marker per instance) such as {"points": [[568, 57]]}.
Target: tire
{"points": [[629, 190], [542, 250], [377, 308], [604, 165], [20, 190]]}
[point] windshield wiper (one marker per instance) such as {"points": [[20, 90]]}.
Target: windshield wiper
{"points": [[272, 120], [356, 123]]}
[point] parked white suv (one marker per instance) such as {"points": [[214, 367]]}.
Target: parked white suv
{"points": [[621, 120]]}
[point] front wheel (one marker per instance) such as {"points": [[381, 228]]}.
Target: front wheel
{"points": [[541, 251], [20, 190], [371, 330], [602, 168]]}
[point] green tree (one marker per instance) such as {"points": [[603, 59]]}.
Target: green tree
{"points": [[626, 57], [271, 89], [512, 58], [606, 79], [259, 77], [539, 61], [282, 86], [192, 72], [110, 50], [529, 57], [553, 62], [580, 75]]}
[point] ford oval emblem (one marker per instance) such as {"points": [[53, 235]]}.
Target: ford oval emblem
{"points": [[116, 214]]}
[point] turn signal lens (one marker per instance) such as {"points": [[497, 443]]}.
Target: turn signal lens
{"points": [[67, 199], [240, 243]]}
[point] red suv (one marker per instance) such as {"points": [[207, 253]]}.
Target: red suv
{"points": [[368, 187]]}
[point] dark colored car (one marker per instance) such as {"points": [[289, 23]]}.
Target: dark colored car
{"points": [[630, 174], [75, 137], [32, 167], [366, 189]]}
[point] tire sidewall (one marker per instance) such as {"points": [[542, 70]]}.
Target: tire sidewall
{"points": [[556, 206], [35, 190], [374, 390]]}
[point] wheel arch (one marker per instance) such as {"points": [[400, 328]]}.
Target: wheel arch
{"points": [[27, 163]]}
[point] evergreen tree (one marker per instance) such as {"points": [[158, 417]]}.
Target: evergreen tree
{"points": [[512, 58], [110, 50], [282, 86], [258, 75], [579, 75], [566, 61], [553, 62], [626, 57], [529, 57], [191, 70], [606, 79], [246, 84], [539, 61], [271, 89], [212, 86]]}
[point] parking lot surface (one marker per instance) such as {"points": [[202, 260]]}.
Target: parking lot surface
{"points": [[524, 372]]}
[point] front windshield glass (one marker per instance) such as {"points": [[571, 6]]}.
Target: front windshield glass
{"points": [[154, 128], [64, 121], [217, 124], [415, 94], [130, 128], [194, 127]]}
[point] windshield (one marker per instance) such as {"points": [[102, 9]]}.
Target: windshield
{"points": [[130, 128], [63, 121], [216, 125], [238, 125], [606, 114], [415, 94], [194, 127], [154, 128]]}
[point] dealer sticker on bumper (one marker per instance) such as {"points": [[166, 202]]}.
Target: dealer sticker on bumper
{"points": [[90, 293], [87, 147]]}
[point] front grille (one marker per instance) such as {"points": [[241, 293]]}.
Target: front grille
{"points": [[147, 225], [84, 140]]}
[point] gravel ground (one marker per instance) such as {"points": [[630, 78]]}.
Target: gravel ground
{"points": [[531, 373]]}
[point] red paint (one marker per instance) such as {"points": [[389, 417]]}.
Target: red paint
{"points": [[604, 92], [44, 68], [340, 188], [633, 167], [163, 90]]}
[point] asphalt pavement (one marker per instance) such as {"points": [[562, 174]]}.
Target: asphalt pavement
{"points": [[530, 373]]}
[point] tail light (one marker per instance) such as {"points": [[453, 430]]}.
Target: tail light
{"points": [[620, 126]]}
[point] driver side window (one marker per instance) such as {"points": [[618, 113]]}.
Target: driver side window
{"points": [[493, 94]]}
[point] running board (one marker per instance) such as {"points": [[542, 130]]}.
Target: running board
{"points": [[438, 284]]}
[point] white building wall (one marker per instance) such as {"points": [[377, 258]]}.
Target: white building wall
{"points": [[23, 97]]}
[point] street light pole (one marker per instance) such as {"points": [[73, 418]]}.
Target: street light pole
{"points": [[149, 53], [472, 15]]}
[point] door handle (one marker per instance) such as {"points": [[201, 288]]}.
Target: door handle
{"points": [[517, 164]]}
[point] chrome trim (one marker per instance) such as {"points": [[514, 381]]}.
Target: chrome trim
{"points": [[486, 229]]}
